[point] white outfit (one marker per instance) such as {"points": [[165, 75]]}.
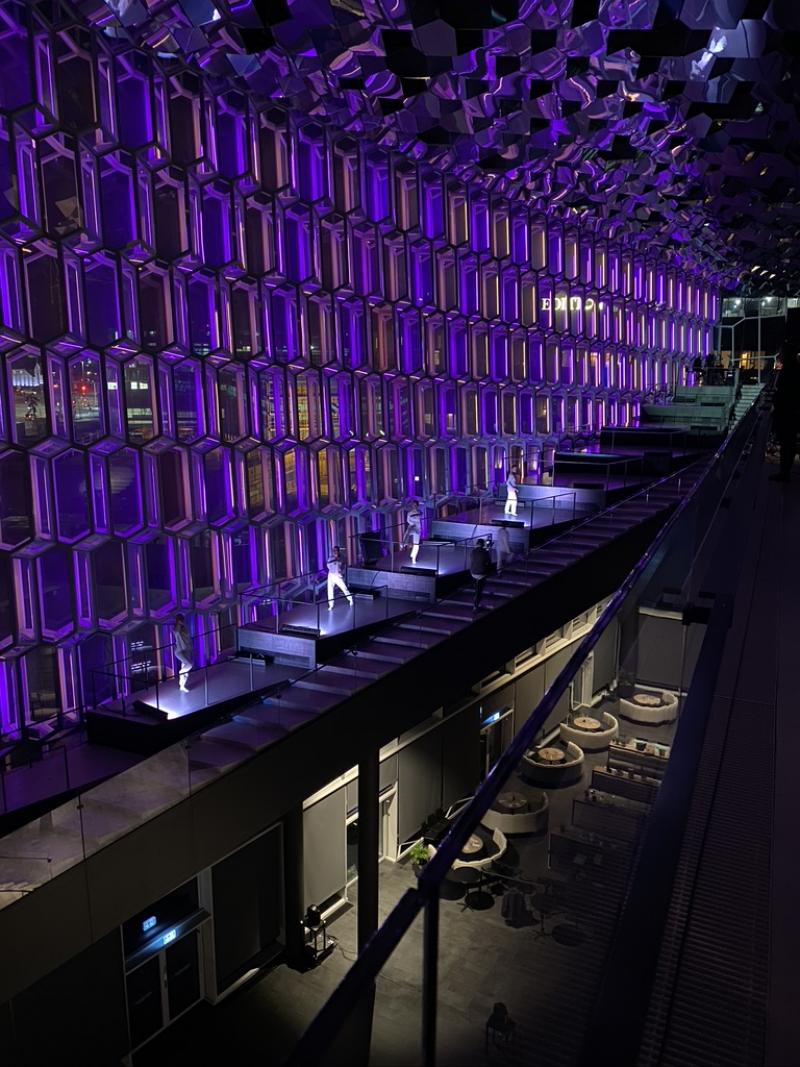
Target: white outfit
{"points": [[502, 548], [511, 496], [184, 654], [336, 581], [413, 532]]}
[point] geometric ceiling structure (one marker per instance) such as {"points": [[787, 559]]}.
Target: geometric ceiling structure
{"points": [[675, 120]]}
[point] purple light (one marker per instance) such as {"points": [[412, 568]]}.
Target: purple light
{"points": [[228, 325]]}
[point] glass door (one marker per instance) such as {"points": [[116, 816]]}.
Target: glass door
{"points": [[163, 987], [496, 733], [182, 975]]}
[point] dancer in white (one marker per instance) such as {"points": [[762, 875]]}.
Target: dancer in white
{"points": [[511, 494], [502, 548], [335, 578], [413, 532], [184, 651]]}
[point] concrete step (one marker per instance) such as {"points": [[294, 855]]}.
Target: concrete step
{"points": [[327, 681], [345, 664], [303, 696], [380, 649]]}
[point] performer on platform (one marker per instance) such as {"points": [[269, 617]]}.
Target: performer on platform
{"points": [[413, 533], [511, 493], [184, 651], [502, 548], [335, 577]]}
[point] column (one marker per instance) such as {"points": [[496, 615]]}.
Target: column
{"points": [[368, 840], [293, 884]]}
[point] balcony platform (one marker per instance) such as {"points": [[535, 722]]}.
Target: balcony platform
{"points": [[310, 634], [269, 655]]}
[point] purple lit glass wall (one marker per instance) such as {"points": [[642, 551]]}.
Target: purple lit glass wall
{"points": [[227, 332]]}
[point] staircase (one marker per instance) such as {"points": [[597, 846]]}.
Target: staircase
{"points": [[746, 400]]}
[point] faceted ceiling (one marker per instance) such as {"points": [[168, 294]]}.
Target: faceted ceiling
{"points": [[676, 120]]}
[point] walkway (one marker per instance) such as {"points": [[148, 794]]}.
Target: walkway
{"points": [[728, 983]]}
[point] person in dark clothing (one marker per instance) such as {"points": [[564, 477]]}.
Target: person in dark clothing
{"points": [[479, 563], [786, 416]]}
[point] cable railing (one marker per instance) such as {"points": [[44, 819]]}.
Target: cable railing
{"points": [[664, 569]]}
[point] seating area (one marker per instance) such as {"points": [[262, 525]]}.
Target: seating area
{"points": [[552, 766], [481, 850], [519, 813], [590, 733], [652, 707]]}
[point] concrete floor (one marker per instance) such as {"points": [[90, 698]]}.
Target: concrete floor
{"points": [[482, 960]]}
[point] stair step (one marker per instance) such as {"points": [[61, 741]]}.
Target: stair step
{"points": [[330, 682], [395, 654]]}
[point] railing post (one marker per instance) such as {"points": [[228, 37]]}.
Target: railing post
{"points": [[430, 985]]}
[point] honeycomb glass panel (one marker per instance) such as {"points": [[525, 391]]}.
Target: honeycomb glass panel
{"points": [[188, 400], [16, 519], [202, 565], [173, 483], [41, 671], [85, 389], [125, 491], [71, 478], [54, 573], [232, 407], [109, 581], [218, 311], [160, 573], [27, 392], [139, 400]]}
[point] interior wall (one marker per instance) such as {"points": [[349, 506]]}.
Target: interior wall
{"points": [[461, 755], [529, 690], [325, 848], [75, 1015], [659, 660], [248, 907], [419, 783], [552, 668], [605, 657]]}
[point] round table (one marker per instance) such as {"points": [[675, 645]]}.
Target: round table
{"points": [[646, 700], [587, 723], [465, 876], [472, 845], [511, 803], [550, 755]]}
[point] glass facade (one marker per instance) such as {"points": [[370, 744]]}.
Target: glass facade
{"points": [[226, 330]]}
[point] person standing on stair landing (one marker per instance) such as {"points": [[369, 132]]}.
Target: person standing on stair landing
{"points": [[184, 651], [336, 578]]}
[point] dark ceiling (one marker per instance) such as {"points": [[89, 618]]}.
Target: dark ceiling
{"points": [[674, 119]]}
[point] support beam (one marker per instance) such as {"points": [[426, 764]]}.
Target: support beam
{"points": [[368, 838], [293, 884]]}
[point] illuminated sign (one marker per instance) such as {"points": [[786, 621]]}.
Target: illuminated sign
{"points": [[572, 303], [148, 924], [170, 935]]}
